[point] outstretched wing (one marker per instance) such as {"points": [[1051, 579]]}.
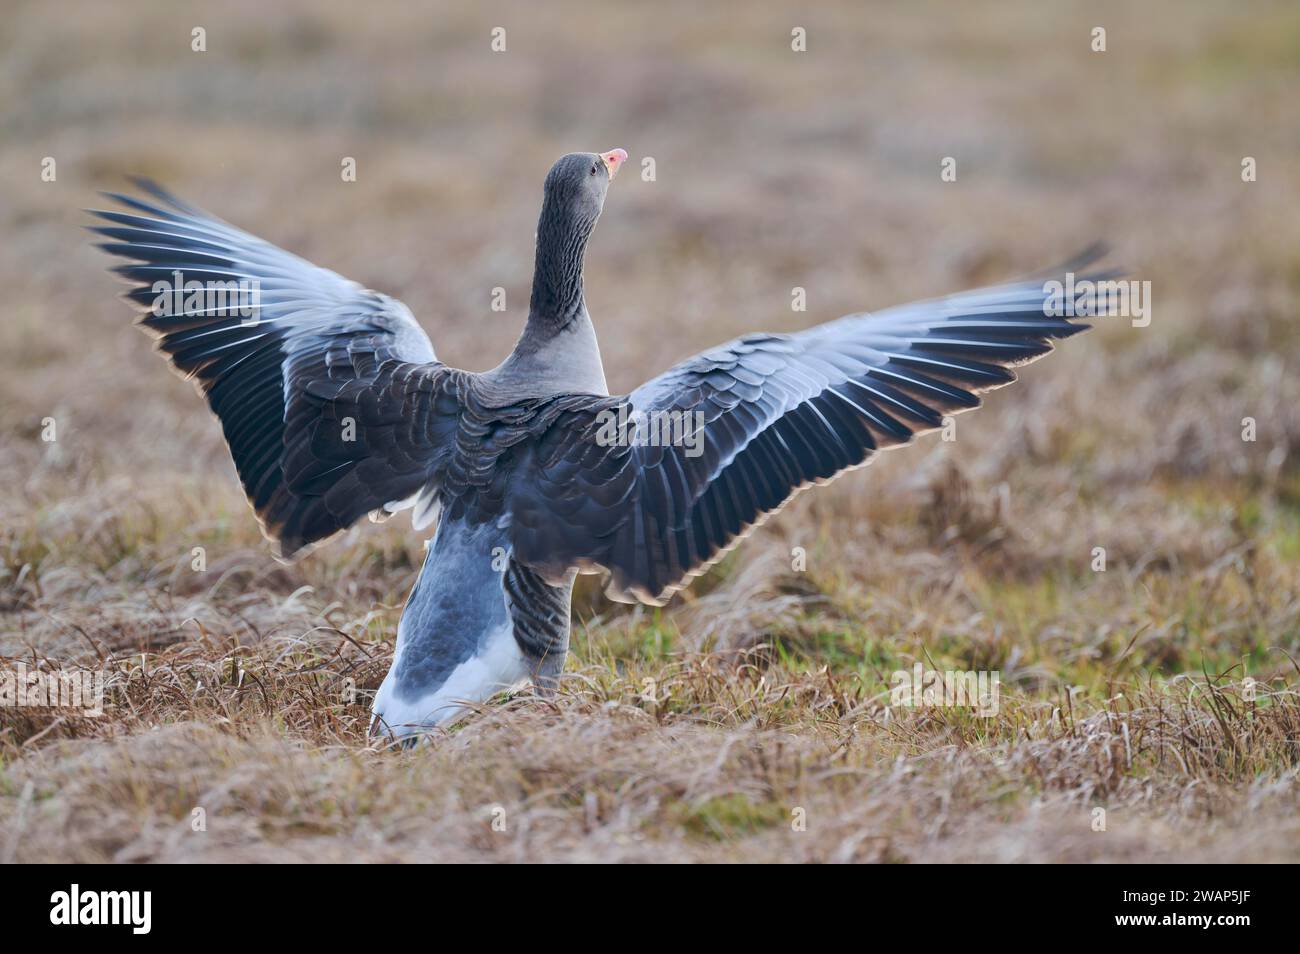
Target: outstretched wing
{"points": [[751, 423], [330, 397]]}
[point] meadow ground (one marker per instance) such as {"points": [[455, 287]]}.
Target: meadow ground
{"points": [[750, 719]]}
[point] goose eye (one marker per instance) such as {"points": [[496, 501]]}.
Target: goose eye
{"points": [[594, 168]]}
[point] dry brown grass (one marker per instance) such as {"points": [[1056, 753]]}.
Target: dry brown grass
{"points": [[693, 733], [714, 760]]}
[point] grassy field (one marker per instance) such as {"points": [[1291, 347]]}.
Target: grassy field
{"points": [[750, 720]]}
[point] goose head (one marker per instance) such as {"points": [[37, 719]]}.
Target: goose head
{"points": [[575, 189]]}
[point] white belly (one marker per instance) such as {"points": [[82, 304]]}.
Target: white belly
{"points": [[499, 667], [456, 641]]}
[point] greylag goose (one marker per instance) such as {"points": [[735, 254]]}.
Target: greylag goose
{"points": [[334, 406]]}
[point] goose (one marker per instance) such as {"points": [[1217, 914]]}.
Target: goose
{"points": [[334, 406]]}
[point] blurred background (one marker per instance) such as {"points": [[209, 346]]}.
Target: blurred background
{"points": [[773, 169]]}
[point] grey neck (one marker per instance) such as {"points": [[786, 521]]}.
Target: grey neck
{"points": [[557, 352], [557, 299]]}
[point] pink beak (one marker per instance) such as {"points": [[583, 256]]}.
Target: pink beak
{"points": [[613, 161]]}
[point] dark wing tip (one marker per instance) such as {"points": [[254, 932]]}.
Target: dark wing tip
{"points": [[1091, 254], [145, 184], [1083, 261]]}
